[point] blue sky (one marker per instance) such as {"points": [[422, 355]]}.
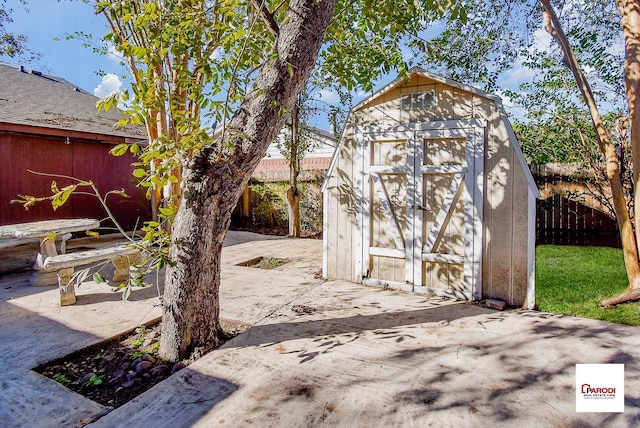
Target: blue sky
{"points": [[68, 59], [47, 20]]}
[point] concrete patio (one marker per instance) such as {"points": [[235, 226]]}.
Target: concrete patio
{"points": [[361, 357]]}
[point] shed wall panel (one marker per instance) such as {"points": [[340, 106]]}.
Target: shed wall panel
{"points": [[520, 234], [462, 105], [341, 212], [499, 167]]}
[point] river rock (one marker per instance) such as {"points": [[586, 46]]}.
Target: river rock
{"points": [[150, 358], [160, 370], [177, 366], [143, 366]]}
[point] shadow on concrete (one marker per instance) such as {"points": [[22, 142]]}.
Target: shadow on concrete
{"points": [[179, 401], [431, 370], [387, 326], [27, 398], [14, 285], [137, 294]]}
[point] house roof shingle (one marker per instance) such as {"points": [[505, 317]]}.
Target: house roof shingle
{"points": [[32, 98]]}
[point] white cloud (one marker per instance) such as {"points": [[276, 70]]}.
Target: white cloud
{"points": [[328, 96], [519, 73], [113, 54], [110, 84], [542, 40], [216, 54]]}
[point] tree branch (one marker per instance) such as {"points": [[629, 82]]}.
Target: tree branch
{"points": [[627, 234], [267, 16]]}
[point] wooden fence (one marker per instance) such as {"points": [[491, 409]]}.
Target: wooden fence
{"points": [[562, 221], [566, 214]]}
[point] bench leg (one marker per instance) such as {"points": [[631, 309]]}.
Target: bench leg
{"points": [[67, 287], [40, 276], [122, 264]]}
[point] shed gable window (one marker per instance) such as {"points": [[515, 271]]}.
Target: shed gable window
{"points": [[418, 100]]}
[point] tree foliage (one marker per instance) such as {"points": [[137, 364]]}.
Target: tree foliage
{"points": [[13, 46], [236, 66], [582, 72]]}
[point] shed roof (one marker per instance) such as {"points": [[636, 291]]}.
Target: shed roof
{"points": [[35, 99], [417, 71]]}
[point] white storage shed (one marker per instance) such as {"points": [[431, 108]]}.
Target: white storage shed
{"points": [[428, 191]]}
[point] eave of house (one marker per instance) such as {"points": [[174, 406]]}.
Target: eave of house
{"points": [[15, 128]]}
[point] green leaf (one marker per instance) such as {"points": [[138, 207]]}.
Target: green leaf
{"points": [[126, 293], [139, 173], [62, 196], [98, 278], [119, 150], [120, 192]]}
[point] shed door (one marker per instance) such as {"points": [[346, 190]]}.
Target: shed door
{"points": [[422, 210]]}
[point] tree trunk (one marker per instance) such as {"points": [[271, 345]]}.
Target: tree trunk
{"points": [[190, 319], [627, 233], [211, 188], [293, 195], [630, 16], [293, 204]]}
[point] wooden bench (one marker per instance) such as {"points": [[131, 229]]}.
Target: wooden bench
{"points": [[121, 256]]}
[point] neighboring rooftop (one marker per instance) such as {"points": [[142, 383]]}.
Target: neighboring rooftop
{"points": [[29, 97], [314, 164]]}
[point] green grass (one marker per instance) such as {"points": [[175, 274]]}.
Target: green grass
{"points": [[573, 281]]}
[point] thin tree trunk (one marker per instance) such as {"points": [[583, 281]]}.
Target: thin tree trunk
{"points": [[293, 194], [212, 187], [630, 16], [627, 233], [293, 205]]}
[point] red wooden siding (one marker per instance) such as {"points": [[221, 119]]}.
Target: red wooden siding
{"points": [[82, 159]]}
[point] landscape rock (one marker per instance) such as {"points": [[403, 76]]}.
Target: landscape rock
{"points": [[130, 383], [143, 366], [495, 304], [177, 366], [159, 370], [150, 358], [119, 374], [135, 363]]}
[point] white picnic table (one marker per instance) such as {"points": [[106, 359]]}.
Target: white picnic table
{"points": [[46, 232]]}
